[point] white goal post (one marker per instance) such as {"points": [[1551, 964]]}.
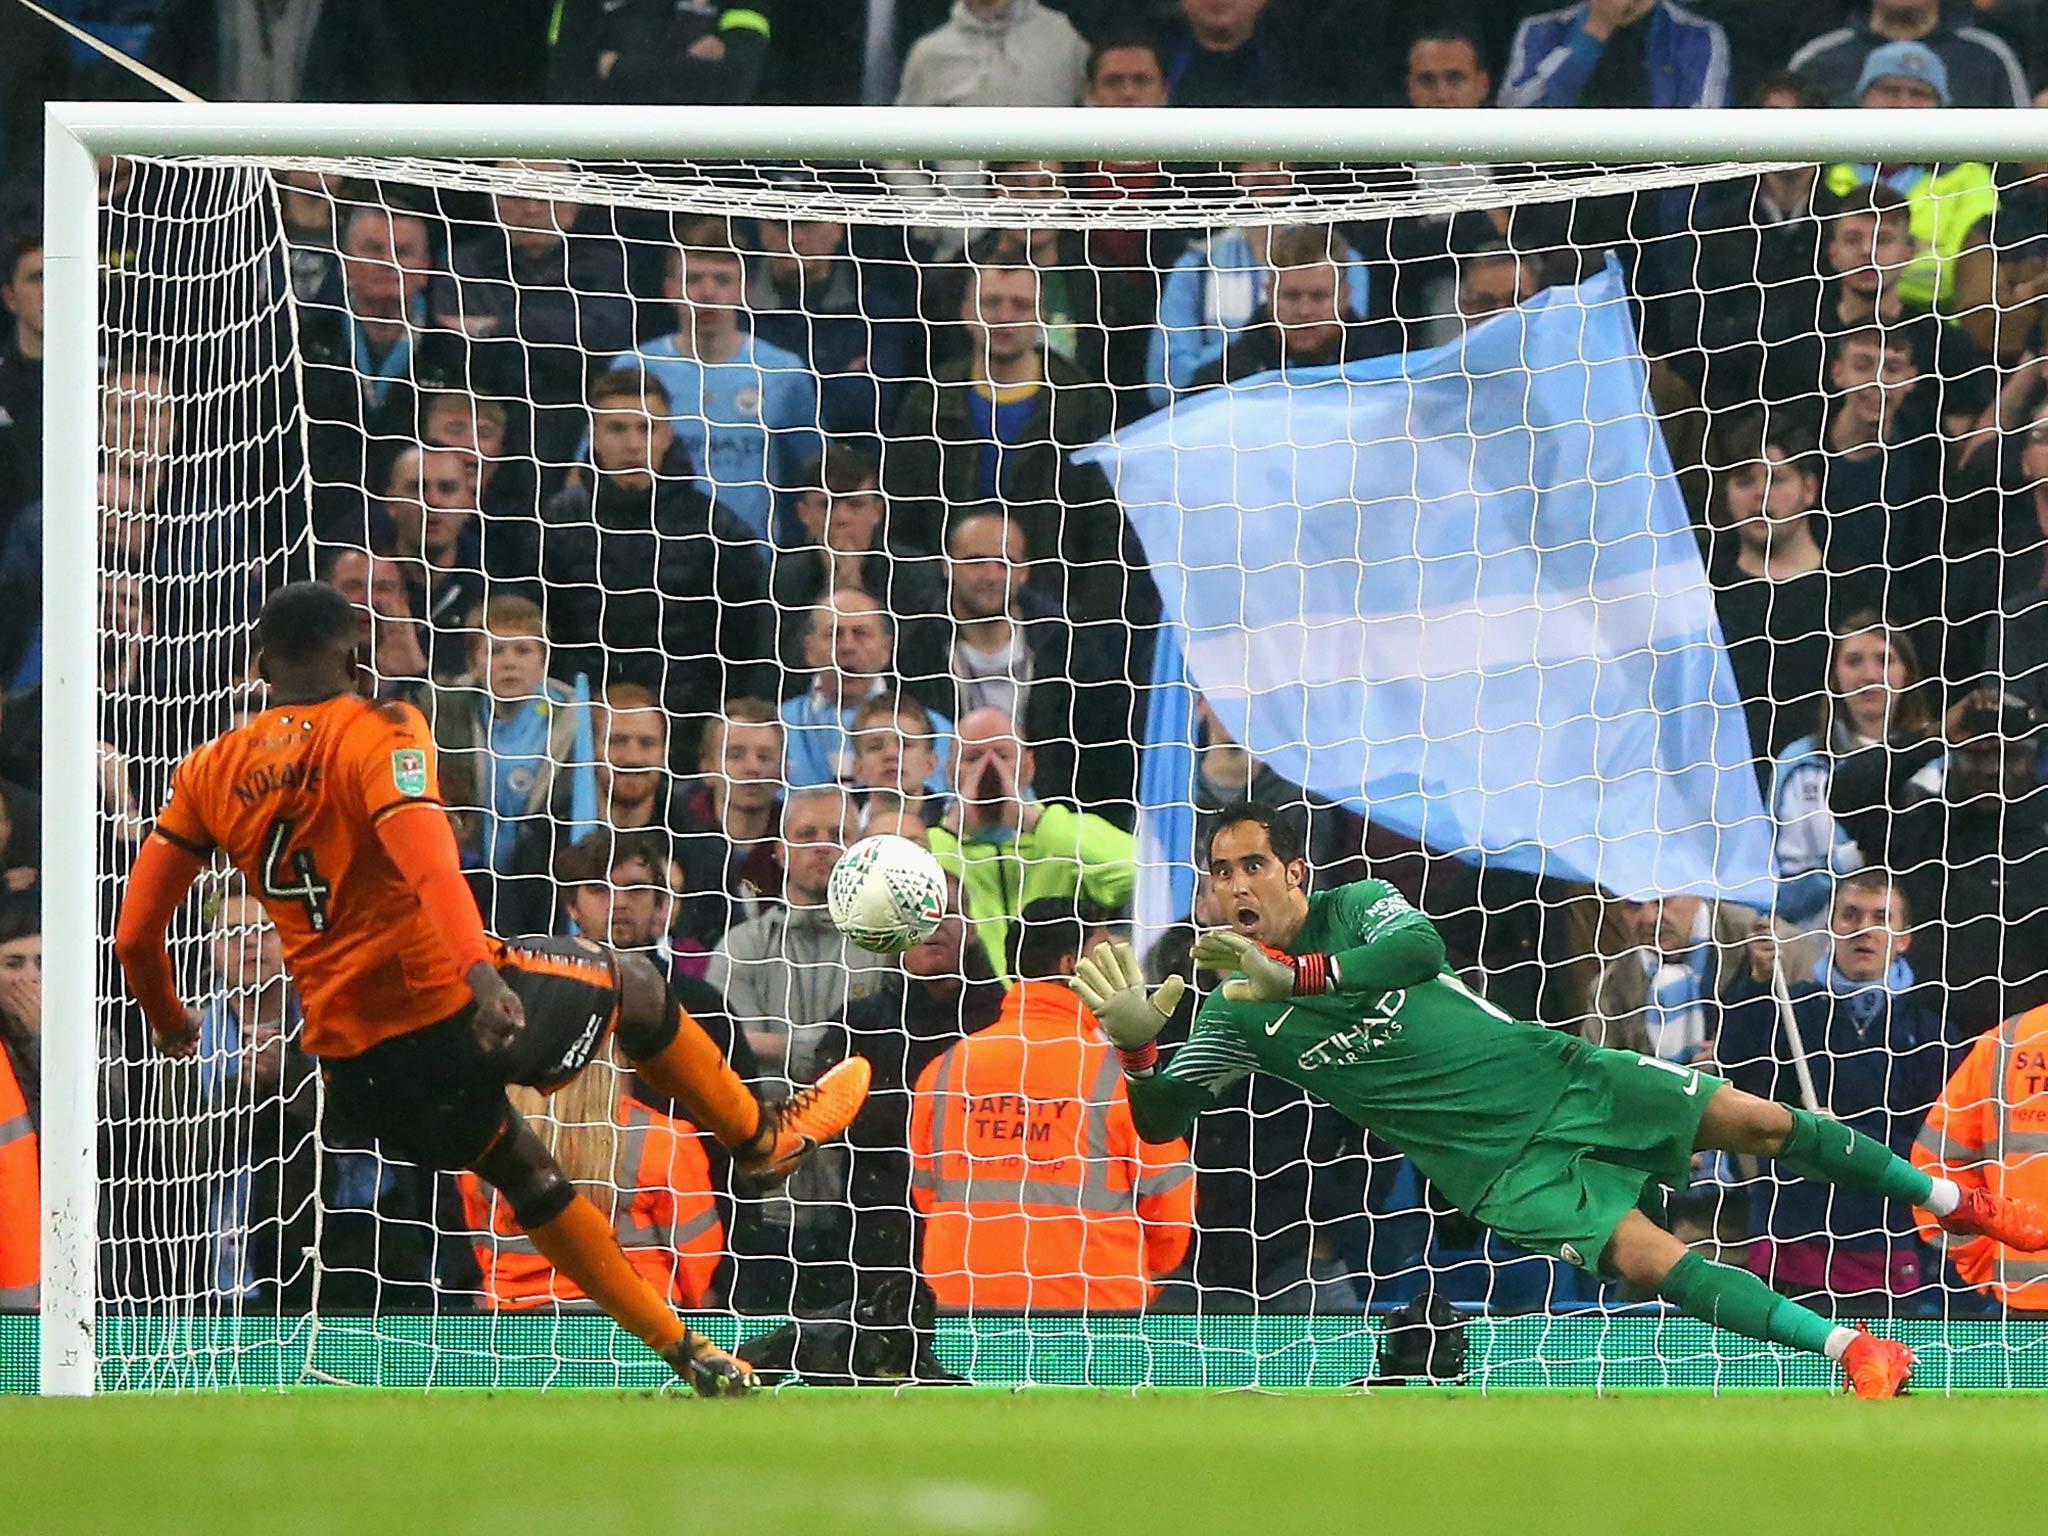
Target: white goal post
{"points": [[80, 133]]}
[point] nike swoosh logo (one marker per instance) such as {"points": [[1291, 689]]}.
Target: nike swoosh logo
{"points": [[1274, 1027]]}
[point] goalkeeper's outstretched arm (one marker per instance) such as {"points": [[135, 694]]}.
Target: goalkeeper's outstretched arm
{"points": [[1405, 957], [1164, 1100], [1391, 946], [1163, 1107]]}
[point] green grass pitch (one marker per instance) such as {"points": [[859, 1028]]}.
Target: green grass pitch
{"points": [[991, 1462]]}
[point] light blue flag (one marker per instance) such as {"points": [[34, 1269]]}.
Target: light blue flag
{"points": [[583, 753], [1166, 796], [1459, 591]]}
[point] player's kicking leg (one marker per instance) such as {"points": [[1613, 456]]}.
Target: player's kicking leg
{"points": [[437, 1097], [768, 1141], [572, 991], [573, 1235]]}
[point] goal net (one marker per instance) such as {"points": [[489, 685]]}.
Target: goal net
{"points": [[1636, 565]]}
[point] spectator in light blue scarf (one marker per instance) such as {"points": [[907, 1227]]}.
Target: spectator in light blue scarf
{"points": [[1661, 997], [1678, 959]]}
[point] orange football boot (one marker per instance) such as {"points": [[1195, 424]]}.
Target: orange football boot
{"points": [[2017, 1224], [792, 1130], [1877, 1367]]}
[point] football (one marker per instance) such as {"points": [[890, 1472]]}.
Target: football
{"points": [[886, 894]]}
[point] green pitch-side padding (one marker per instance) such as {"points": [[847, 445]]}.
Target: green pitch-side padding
{"points": [[582, 1350]]}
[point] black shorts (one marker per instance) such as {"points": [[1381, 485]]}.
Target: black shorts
{"points": [[437, 1097]]}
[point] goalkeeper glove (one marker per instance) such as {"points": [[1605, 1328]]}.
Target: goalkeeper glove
{"points": [[1268, 974], [1110, 982]]}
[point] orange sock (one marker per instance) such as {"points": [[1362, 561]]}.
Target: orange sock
{"points": [[580, 1244], [690, 1070]]}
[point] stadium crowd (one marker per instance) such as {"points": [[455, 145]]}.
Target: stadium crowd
{"points": [[709, 545]]}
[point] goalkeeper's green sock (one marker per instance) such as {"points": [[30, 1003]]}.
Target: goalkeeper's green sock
{"points": [[1830, 1152], [1738, 1301]]}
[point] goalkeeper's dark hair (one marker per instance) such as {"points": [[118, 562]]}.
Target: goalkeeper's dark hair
{"points": [[1048, 931], [305, 622], [1283, 832]]}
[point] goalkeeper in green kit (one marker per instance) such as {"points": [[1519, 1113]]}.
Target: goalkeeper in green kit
{"points": [[1554, 1143]]}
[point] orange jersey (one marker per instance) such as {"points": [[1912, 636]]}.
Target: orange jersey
{"points": [[294, 798]]}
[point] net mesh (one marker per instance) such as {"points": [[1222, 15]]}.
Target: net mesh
{"points": [[1592, 553], [970, 194]]}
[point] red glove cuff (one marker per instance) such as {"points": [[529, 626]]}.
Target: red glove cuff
{"points": [[1311, 973], [1141, 1060]]}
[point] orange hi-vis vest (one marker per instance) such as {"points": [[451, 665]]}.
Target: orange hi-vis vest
{"points": [[21, 1200], [666, 1221], [1990, 1128], [1035, 1188]]}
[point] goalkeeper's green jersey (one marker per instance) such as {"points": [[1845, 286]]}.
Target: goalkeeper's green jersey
{"points": [[1428, 1065]]}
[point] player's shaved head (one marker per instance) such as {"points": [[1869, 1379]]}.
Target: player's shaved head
{"points": [[307, 635], [304, 621]]}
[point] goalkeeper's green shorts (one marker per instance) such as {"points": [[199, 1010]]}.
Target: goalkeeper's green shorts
{"points": [[1625, 1126]]}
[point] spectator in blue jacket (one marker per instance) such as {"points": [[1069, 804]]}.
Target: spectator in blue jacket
{"points": [[744, 410], [1874, 1049], [1617, 53], [1223, 57]]}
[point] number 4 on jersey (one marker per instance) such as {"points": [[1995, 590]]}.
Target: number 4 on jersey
{"points": [[309, 890]]}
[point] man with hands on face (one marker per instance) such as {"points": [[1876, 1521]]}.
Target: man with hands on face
{"points": [[1617, 53], [1552, 1142], [1008, 848]]}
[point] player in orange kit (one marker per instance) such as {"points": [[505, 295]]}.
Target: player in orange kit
{"points": [[329, 805]]}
